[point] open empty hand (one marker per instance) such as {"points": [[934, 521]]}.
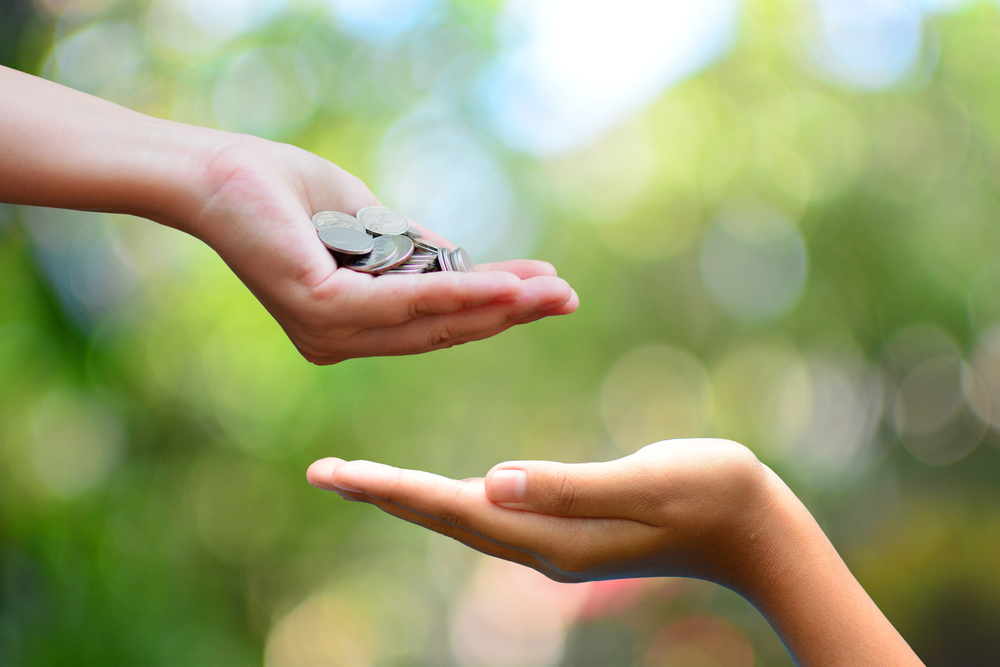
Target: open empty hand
{"points": [[683, 507], [698, 508]]}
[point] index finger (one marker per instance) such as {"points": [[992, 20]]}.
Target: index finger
{"points": [[395, 299], [570, 545], [463, 506], [319, 475]]}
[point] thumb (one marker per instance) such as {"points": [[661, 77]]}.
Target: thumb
{"points": [[561, 489]]}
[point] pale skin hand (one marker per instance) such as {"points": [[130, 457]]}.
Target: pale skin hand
{"points": [[252, 200], [695, 508]]}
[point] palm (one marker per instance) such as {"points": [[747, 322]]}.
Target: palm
{"points": [[257, 217]]}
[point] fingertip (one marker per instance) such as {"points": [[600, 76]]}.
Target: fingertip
{"points": [[562, 307], [573, 303], [366, 477], [321, 472]]}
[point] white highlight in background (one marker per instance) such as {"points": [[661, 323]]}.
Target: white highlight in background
{"points": [[513, 616], [435, 171], [569, 71], [868, 44]]}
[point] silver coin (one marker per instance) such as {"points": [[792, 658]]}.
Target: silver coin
{"points": [[404, 249], [414, 267], [336, 219], [413, 233], [384, 249], [346, 240], [426, 245], [422, 259], [461, 260], [418, 258], [404, 270], [443, 260], [383, 221]]}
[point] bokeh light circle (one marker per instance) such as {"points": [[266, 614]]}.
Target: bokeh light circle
{"points": [[655, 393], [76, 442], [754, 264], [513, 616]]}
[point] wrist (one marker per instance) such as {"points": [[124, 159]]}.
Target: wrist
{"points": [[780, 534], [168, 179], [797, 580]]}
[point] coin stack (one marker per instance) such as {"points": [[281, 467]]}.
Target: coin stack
{"points": [[380, 240]]}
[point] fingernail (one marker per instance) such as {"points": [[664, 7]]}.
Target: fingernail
{"points": [[508, 486], [321, 472]]}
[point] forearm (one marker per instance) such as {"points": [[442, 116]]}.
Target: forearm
{"points": [[66, 149], [807, 593]]}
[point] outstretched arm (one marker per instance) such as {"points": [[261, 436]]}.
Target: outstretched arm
{"points": [[695, 508], [252, 200]]}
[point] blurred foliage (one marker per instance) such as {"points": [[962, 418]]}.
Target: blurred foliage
{"points": [[763, 253]]}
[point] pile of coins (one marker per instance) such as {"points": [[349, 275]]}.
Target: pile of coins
{"points": [[380, 240]]}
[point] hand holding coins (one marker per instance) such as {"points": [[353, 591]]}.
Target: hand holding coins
{"points": [[251, 200], [380, 240]]}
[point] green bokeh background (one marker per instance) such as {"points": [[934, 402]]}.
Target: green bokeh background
{"points": [[156, 424]]}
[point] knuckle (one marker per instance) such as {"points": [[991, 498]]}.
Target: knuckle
{"points": [[443, 337], [564, 499], [452, 516], [741, 459], [394, 484], [417, 307]]}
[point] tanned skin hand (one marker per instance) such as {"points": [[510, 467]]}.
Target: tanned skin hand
{"points": [[700, 508]]}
